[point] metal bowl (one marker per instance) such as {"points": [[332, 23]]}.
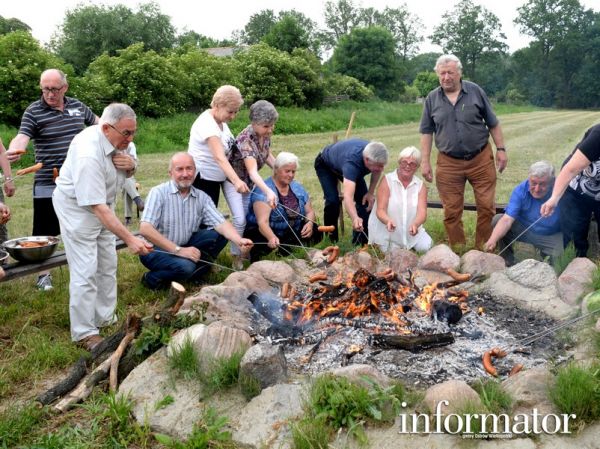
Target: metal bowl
{"points": [[36, 254]]}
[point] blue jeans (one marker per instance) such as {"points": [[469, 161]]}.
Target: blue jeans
{"points": [[329, 181], [575, 216], [165, 268]]}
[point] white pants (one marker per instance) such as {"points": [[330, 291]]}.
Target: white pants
{"points": [[92, 258], [238, 205]]}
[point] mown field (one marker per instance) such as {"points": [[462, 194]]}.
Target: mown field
{"points": [[34, 326]]}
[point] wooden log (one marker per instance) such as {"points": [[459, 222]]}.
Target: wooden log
{"points": [[411, 342], [76, 373], [133, 326], [85, 387]]}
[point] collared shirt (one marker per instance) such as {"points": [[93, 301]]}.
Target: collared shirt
{"points": [[524, 208], [204, 127], [176, 216], [461, 128], [89, 175], [52, 131], [248, 146], [346, 158]]}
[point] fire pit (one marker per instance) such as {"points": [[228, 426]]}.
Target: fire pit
{"points": [[423, 335]]}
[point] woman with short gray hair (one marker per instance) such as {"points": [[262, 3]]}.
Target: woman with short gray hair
{"points": [[252, 150], [401, 207]]}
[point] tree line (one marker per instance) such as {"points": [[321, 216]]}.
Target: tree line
{"points": [[114, 53]]}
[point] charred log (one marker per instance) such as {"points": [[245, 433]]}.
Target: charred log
{"points": [[411, 343], [64, 386]]}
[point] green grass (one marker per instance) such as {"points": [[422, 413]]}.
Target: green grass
{"points": [[493, 396], [561, 262], [577, 391], [184, 360], [222, 373]]}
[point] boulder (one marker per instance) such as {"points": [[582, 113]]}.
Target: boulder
{"points": [[477, 262], [456, 392], [574, 281], [401, 260], [439, 258], [266, 363], [532, 285]]}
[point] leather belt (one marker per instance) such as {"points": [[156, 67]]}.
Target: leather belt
{"points": [[468, 156]]}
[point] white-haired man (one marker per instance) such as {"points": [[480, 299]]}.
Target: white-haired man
{"points": [[350, 161], [521, 219], [94, 171], [460, 116]]}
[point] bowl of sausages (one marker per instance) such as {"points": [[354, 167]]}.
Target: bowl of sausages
{"points": [[31, 249]]}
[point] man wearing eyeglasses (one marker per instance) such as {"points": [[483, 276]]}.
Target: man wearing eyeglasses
{"points": [[94, 171], [51, 122]]}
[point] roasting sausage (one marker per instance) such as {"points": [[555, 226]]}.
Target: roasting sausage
{"points": [[31, 169], [322, 276], [335, 252], [328, 250], [460, 277], [285, 289], [326, 228], [487, 360], [292, 292], [54, 174], [515, 369], [19, 151]]}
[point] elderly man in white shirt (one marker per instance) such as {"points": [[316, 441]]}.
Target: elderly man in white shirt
{"points": [[97, 164]]}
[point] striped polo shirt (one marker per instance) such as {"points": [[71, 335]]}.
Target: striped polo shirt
{"points": [[52, 131], [177, 217]]}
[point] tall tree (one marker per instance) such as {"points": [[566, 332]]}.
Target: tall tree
{"points": [[341, 18], [10, 25], [405, 27], [88, 31], [258, 26], [558, 48], [287, 34], [369, 55], [469, 31]]}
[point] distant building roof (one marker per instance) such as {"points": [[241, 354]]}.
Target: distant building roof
{"points": [[224, 51]]}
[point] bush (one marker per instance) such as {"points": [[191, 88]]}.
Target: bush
{"points": [[22, 61], [337, 84], [205, 73], [275, 76], [425, 82], [577, 391], [146, 81]]}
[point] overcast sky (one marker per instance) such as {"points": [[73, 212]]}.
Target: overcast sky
{"points": [[218, 18]]}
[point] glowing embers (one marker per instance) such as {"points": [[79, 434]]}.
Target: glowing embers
{"points": [[381, 300]]}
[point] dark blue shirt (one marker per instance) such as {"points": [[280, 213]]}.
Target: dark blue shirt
{"points": [[526, 210], [346, 158]]}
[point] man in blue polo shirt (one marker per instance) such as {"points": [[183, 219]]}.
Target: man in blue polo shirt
{"points": [[51, 122], [350, 161], [523, 211]]}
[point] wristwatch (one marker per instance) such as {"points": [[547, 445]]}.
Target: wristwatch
{"points": [[501, 149], [177, 249]]}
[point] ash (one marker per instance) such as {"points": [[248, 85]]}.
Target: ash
{"points": [[331, 343]]}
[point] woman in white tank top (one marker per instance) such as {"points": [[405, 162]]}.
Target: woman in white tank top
{"points": [[401, 207]]}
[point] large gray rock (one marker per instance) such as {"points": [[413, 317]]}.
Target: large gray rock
{"points": [[227, 304], [279, 272], [264, 422], [574, 281], [439, 258], [361, 259], [477, 262], [266, 363], [531, 284], [456, 392], [401, 260]]}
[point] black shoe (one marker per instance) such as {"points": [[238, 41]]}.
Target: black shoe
{"points": [[150, 286]]}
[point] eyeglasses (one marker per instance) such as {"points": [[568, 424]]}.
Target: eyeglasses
{"points": [[405, 164], [52, 90], [125, 133]]}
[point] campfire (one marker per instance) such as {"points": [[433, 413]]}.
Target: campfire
{"points": [[425, 333]]}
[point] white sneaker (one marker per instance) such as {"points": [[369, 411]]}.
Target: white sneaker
{"points": [[44, 282]]}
